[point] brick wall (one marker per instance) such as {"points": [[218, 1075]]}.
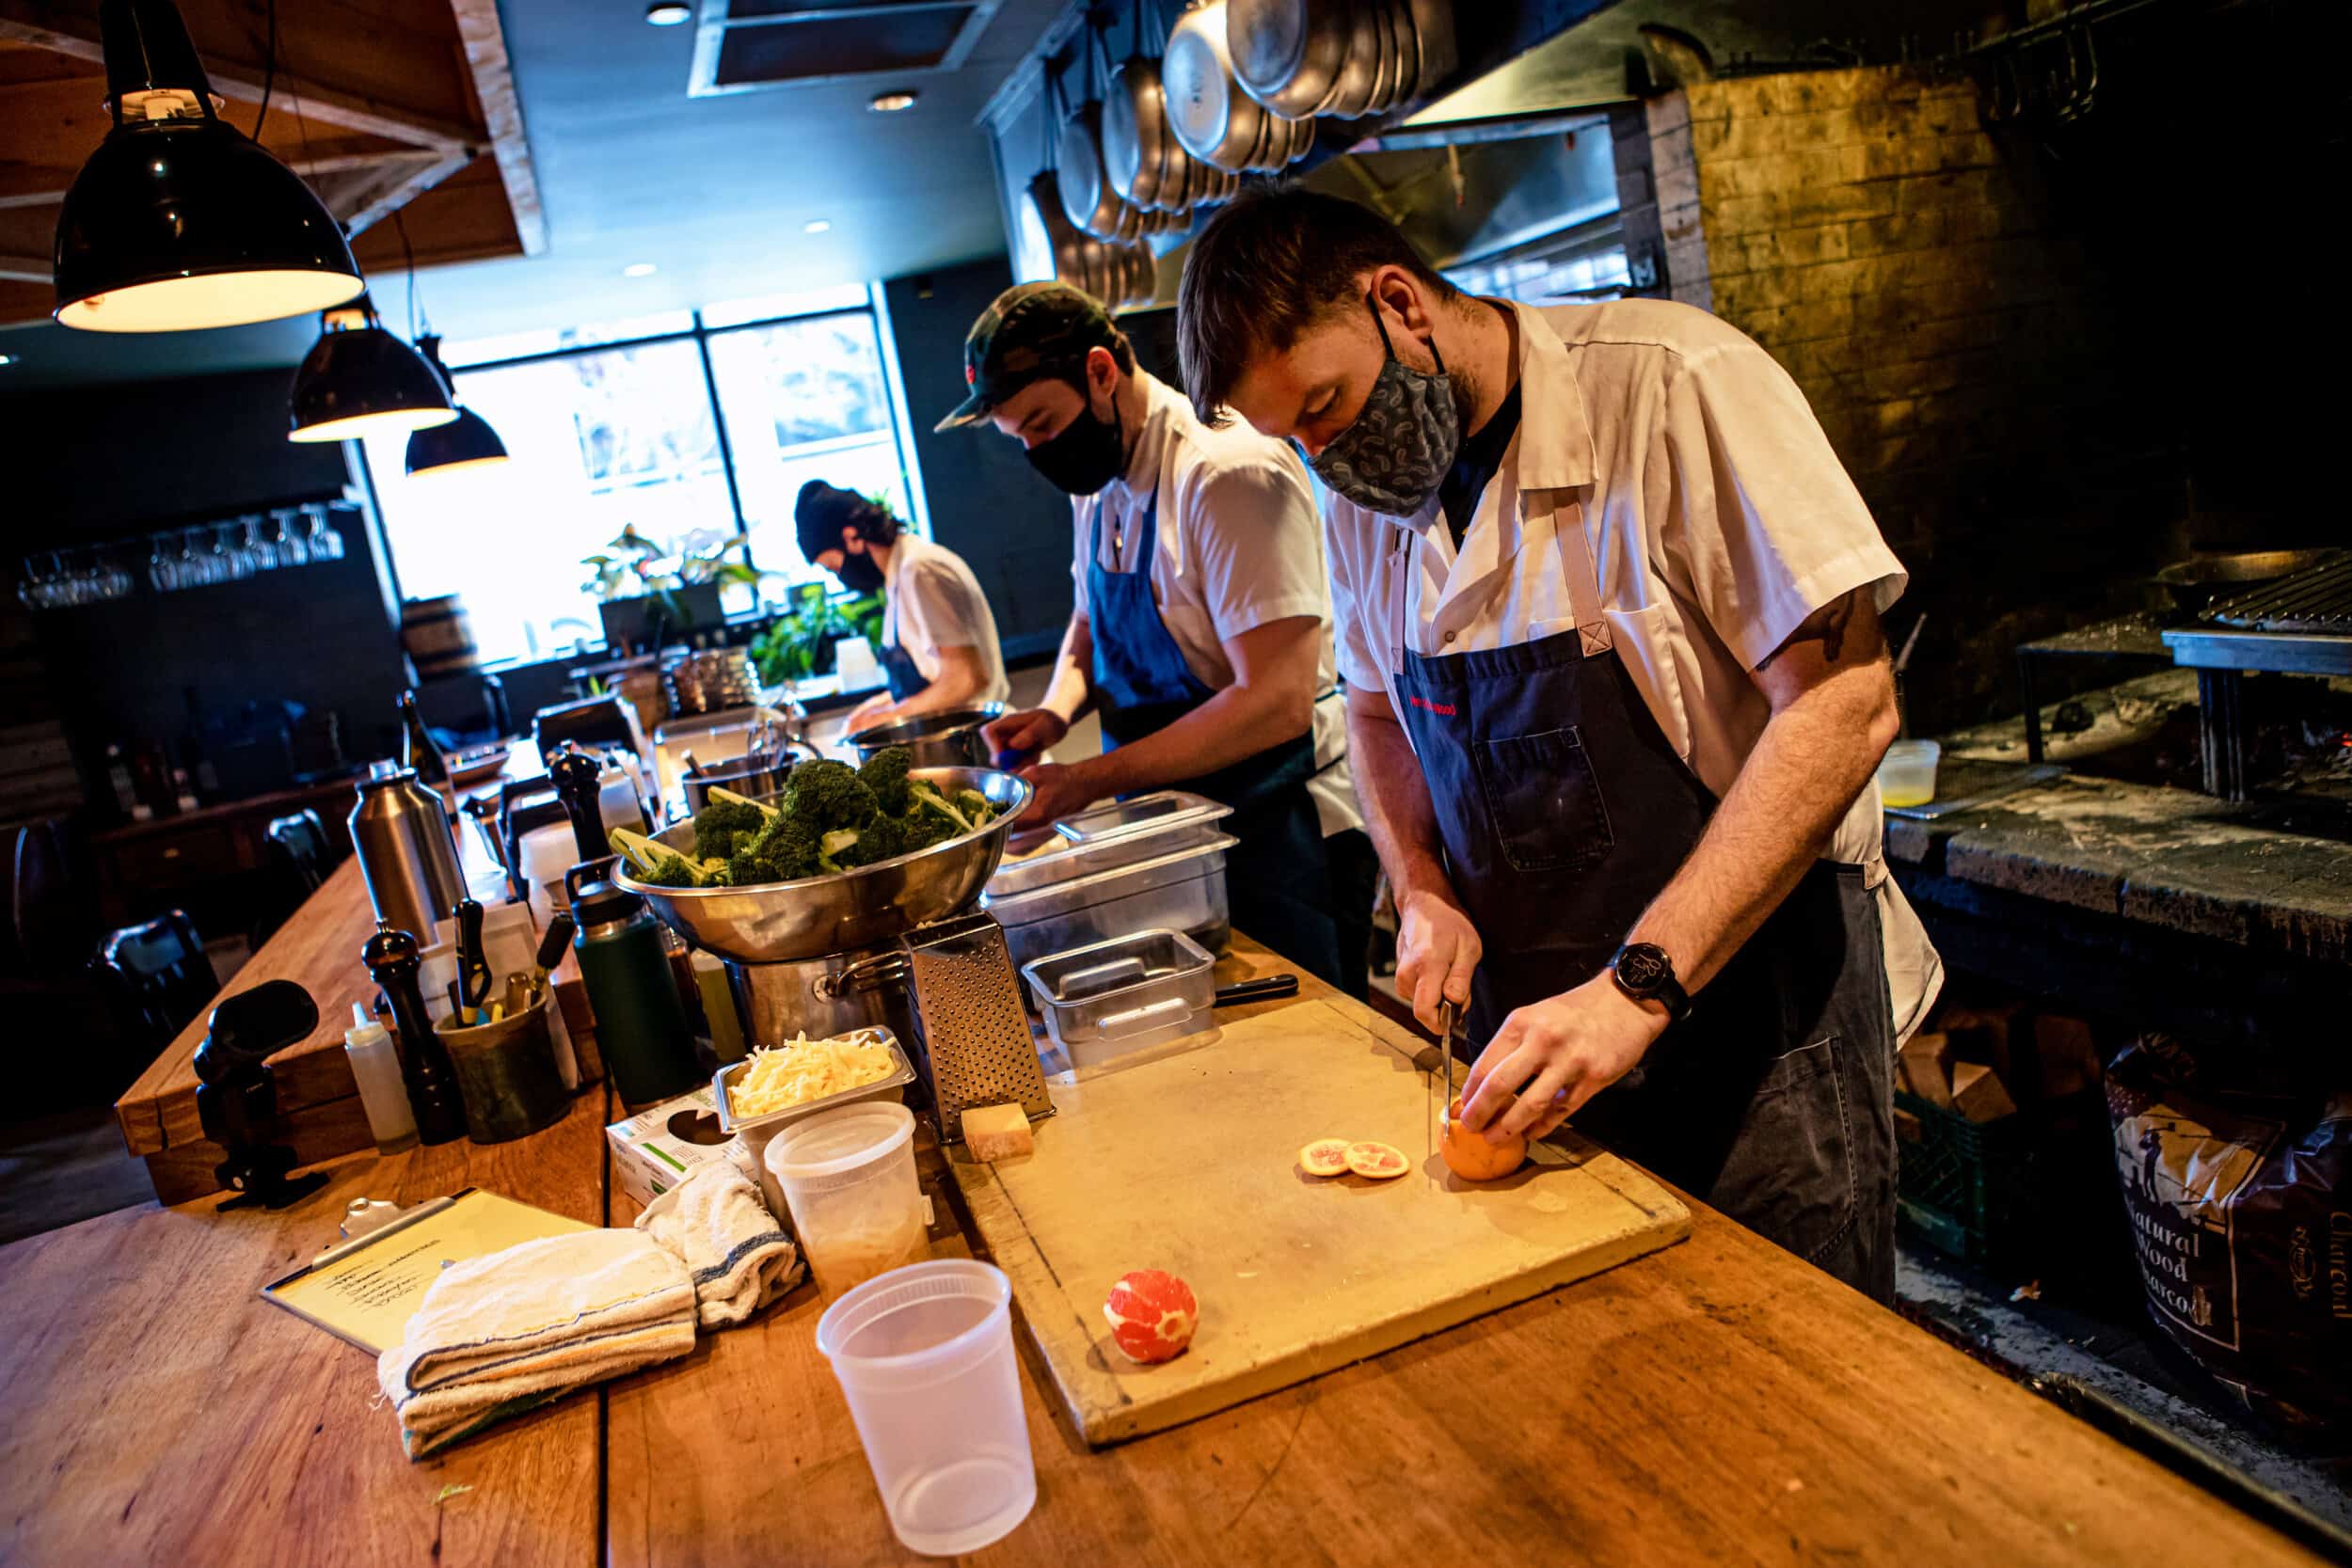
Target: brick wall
{"points": [[1916, 277]]}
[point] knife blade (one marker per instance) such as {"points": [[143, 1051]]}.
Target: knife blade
{"points": [[1445, 1049]]}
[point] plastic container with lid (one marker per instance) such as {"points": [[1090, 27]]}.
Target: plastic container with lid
{"points": [[1116, 833], [848, 1177], [925, 1359], [1907, 773], [756, 1133], [1125, 994]]}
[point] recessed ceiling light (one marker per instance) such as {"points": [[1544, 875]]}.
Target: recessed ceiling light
{"points": [[815, 226], [667, 13], [639, 269], [10, 358], [891, 102]]}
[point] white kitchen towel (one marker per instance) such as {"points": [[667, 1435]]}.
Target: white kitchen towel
{"points": [[717, 1226], [500, 1334]]}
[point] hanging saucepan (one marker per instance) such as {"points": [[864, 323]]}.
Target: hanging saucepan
{"points": [[1134, 123], [1086, 195], [1351, 90], [1287, 53], [1216, 120]]}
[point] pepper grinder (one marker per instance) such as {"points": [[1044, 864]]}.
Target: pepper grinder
{"points": [[394, 958], [578, 784]]}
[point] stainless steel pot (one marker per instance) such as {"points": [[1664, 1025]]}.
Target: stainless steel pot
{"points": [[951, 739], [1212, 116]]}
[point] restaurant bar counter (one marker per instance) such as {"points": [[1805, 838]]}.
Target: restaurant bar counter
{"points": [[1715, 1402]]}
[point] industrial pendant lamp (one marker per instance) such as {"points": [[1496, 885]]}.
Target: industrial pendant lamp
{"points": [[466, 442], [178, 219], [359, 380]]}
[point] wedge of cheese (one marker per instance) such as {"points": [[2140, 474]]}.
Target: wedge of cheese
{"points": [[997, 1132]]}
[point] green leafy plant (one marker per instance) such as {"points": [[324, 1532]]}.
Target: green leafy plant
{"points": [[798, 644], [634, 567]]}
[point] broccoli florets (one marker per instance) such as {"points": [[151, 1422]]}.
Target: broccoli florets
{"points": [[784, 850], [974, 805], [885, 774], [827, 795], [883, 838], [672, 871], [722, 824]]}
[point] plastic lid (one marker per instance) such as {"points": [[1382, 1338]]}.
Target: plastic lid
{"points": [[837, 1141]]}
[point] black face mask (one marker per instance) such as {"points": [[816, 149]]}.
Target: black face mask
{"points": [[859, 575], [1086, 455]]}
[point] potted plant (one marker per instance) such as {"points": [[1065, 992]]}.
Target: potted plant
{"points": [[647, 591], [798, 643]]}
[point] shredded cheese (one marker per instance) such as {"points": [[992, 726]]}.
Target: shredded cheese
{"points": [[805, 1071]]}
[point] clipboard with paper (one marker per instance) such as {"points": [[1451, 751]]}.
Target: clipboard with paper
{"points": [[364, 1290]]}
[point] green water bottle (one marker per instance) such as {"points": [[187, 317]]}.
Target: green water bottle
{"points": [[642, 1031]]}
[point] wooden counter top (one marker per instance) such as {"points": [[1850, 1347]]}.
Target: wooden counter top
{"points": [[1717, 1402]]}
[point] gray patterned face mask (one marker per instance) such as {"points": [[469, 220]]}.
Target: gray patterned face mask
{"points": [[1400, 448]]}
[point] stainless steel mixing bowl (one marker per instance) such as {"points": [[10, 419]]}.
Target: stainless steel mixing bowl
{"points": [[788, 922]]}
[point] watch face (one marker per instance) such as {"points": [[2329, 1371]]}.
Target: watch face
{"points": [[1642, 967]]}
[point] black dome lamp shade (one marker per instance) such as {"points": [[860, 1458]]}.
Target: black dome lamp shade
{"points": [[359, 380], [178, 219], [466, 442]]}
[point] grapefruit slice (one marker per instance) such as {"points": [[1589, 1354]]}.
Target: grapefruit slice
{"points": [[1375, 1160], [1151, 1314], [1323, 1157]]}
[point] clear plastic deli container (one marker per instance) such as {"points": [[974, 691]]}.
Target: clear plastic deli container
{"points": [[1124, 994], [848, 1177], [1183, 890], [755, 1132], [925, 1360]]}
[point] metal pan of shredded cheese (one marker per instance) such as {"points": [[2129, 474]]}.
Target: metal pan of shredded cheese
{"points": [[782, 1084]]}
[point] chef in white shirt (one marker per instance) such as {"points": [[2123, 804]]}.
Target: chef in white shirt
{"points": [[940, 649], [1201, 635], [1608, 615]]}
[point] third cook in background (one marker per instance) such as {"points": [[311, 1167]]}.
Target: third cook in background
{"points": [[939, 637], [1202, 632], [1609, 620]]}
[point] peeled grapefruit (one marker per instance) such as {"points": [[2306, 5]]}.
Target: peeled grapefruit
{"points": [[1469, 1156], [1151, 1314], [1378, 1161], [1323, 1157]]}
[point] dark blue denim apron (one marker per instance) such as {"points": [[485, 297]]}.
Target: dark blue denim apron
{"points": [[1563, 811], [1274, 875], [899, 665]]}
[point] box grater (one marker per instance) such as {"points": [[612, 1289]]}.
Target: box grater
{"points": [[976, 1034]]}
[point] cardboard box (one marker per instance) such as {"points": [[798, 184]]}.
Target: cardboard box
{"points": [[1926, 1065], [1979, 1094], [654, 1150], [2068, 1050]]}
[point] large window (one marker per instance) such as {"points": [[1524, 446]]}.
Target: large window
{"points": [[684, 428]]}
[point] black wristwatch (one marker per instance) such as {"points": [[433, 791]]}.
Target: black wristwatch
{"points": [[1644, 973]]}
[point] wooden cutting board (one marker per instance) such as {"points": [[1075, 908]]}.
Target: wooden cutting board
{"points": [[1187, 1161]]}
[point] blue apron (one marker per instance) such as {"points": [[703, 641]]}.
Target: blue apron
{"points": [[1142, 685], [899, 666], [1564, 810]]}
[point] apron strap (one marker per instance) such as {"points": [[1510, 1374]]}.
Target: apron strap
{"points": [[1580, 577]]}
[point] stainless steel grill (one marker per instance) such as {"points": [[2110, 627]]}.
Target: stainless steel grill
{"points": [[2317, 600], [2301, 624]]}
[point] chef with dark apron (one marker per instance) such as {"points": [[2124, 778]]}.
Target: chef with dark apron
{"points": [[939, 647], [1201, 633], [1608, 618]]}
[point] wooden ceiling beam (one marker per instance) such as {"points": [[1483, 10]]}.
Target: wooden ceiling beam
{"points": [[231, 37], [25, 269], [485, 40], [25, 184]]}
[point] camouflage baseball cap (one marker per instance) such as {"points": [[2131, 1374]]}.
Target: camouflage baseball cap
{"points": [[1030, 331]]}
